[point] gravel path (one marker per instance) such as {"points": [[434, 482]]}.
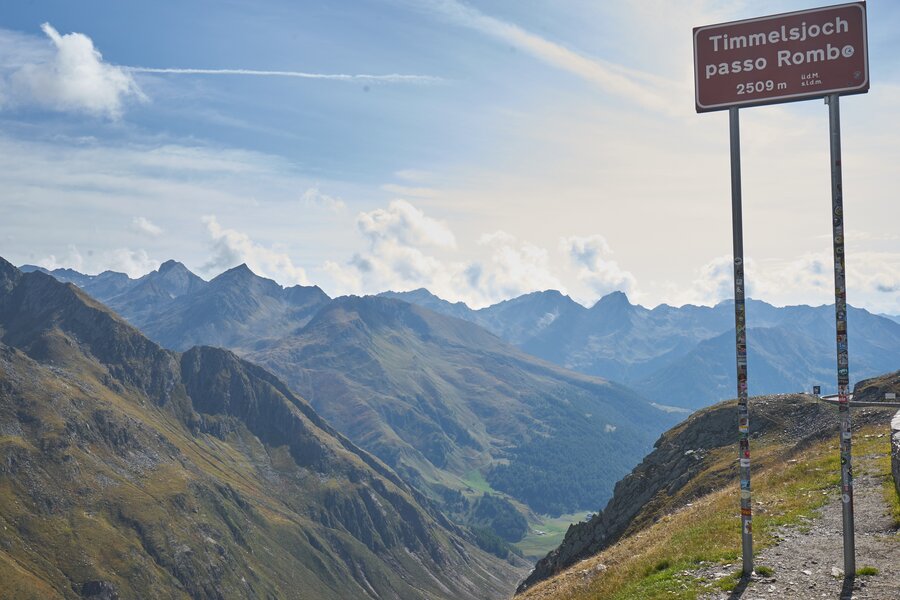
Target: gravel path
{"points": [[809, 564]]}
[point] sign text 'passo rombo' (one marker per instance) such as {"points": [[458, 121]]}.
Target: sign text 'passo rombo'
{"points": [[781, 58]]}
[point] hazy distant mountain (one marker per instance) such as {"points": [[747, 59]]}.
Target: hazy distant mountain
{"points": [[424, 298], [895, 318], [237, 310], [153, 292], [104, 286], [176, 308], [516, 320], [438, 397], [673, 355], [135, 472], [685, 355]]}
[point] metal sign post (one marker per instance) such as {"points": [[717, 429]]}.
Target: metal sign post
{"points": [[840, 314], [816, 53], [740, 341]]}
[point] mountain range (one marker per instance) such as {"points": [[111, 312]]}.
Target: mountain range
{"points": [[439, 399], [128, 470], [445, 394], [679, 356], [684, 356], [417, 408]]}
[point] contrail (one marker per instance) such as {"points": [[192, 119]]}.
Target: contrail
{"points": [[389, 78]]}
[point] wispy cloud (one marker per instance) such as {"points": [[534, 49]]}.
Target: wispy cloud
{"points": [[358, 77], [145, 225], [645, 89], [314, 198]]}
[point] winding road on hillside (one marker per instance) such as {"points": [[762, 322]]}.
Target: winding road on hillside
{"points": [[808, 560]]}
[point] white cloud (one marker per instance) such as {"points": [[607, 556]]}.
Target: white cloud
{"points": [[873, 281], [397, 237], [231, 248], [513, 268], [408, 250], [134, 263], [73, 79], [72, 259], [714, 282], [314, 198], [404, 223], [600, 273], [144, 225]]}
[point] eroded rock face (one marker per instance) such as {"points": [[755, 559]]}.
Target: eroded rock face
{"points": [[99, 590]]}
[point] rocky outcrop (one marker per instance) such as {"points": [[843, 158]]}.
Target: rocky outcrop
{"points": [[669, 477], [874, 389]]}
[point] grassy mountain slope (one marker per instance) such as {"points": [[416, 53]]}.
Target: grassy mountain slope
{"points": [[128, 469], [436, 397], [678, 507]]}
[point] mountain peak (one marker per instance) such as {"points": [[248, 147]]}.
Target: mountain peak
{"points": [[613, 299], [9, 274], [239, 273], [169, 265]]}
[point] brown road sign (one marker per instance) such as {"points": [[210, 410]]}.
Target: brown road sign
{"points": [[782, 58]]}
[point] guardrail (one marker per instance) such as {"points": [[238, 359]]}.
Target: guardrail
{"points": [[853, 403]]}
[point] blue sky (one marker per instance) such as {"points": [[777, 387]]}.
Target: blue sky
{"points": [[526, 145]]}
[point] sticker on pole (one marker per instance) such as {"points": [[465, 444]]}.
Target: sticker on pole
{"points": [[782, 58]]}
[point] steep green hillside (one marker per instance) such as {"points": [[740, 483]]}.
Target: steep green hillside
{"points": [[436, 397], [128, 469]]}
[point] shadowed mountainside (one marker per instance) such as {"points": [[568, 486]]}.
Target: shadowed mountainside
{"points": [[437, 397], [128, 469]]}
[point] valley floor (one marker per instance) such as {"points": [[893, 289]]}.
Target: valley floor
{"points": [[807, 562]]}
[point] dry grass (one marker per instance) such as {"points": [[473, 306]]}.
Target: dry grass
{"points": [[655, 562]]}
